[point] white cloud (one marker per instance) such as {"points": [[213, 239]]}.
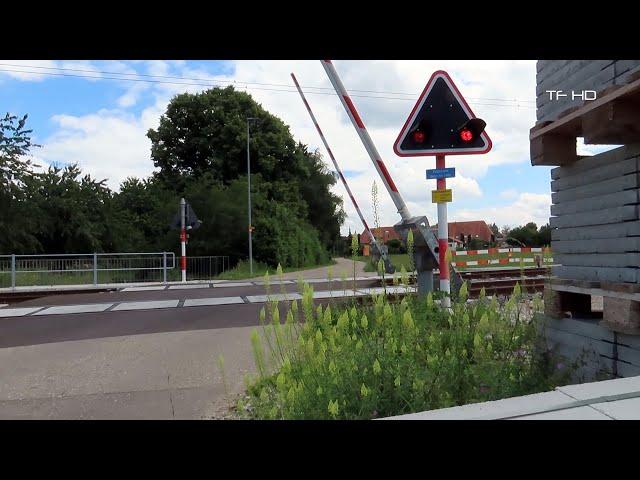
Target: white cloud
{"points": [[108, 144], [114, 144], [509, 194], [528, 207], [17, 69]]}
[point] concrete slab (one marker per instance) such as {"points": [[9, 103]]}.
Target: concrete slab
{"points": [[233, 284], [516, 406], [144, 289], [276, 297], [144, 405], [197, 302], [628, 409], [578, 413], [64, 309], [275, 282], [189, 287], [605, 388], [146, 305], [336, 294], [17, 312], [136, 363], [199, 403], [390, 290]]}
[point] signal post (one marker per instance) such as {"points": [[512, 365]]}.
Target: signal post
{"points": [[441, 123]]}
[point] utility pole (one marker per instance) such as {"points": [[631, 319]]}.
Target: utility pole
{"points": [[249, 195]]}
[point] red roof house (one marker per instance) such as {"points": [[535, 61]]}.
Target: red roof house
{"points": [[477, 229]]}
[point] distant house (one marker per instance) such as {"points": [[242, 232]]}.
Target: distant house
{"points": [[463, 232], [460, 233], [383, 233]]}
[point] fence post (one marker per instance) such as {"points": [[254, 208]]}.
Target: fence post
{"points": [[13, 271], [164, 267], [95, 269]]}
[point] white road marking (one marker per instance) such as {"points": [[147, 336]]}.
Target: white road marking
{"points": [[146, 305], [143, 289], [64, 309], [189, 287], [233, 284], [17, 312], [275, 297], [197, 302]]}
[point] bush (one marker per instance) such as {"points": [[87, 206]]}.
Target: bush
{"points": [[394, 357], [396, 247]]}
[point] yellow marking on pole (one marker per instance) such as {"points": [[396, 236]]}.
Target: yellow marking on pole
{"points": [[441, 196]]}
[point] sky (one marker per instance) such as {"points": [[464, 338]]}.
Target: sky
{"points": [[97, 113]]}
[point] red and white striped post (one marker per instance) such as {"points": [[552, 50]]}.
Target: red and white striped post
{"points": [[335, 164], [443, 237], [183, 240]]}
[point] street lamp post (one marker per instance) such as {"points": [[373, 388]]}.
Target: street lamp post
{"points": [[249, 196]]}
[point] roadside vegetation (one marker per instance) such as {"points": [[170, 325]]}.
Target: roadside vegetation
{"points": [[392, 356], [394, 353]]}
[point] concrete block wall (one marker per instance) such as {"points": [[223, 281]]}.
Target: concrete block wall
{"points": [[596, 217], [576, 75], [596, 351]]}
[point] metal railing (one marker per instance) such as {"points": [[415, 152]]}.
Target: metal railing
{"points": [[206, 268], [83, 269], [103, 268]]}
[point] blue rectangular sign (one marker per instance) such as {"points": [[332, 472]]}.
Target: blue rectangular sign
{"points": [[441, 173]]}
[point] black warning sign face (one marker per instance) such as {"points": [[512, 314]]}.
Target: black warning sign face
{"points": [[441, 123]]}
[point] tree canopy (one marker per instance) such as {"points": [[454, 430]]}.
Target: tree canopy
{"points": [[199, 149]]}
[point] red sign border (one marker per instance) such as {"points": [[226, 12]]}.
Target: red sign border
{"points": [[403, 131]]}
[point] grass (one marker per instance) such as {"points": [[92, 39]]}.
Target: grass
{"points": [[241, 271], [397, 259], [27, 279]]}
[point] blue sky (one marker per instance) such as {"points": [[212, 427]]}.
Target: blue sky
{"points": [[101, 123]]}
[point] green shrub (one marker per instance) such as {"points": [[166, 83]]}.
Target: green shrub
{"points": [[394, 356]]}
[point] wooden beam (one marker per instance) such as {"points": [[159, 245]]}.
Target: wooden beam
{"points": [[553, 150], [615, 123], [572, 122]]}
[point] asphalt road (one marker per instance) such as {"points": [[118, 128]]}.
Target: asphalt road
{"points": [[37, 329], [158, 363]]}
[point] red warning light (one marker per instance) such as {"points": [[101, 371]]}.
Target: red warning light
{"points": [[466, 135], [418, 136]]}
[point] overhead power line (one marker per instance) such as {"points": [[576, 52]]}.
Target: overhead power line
{"points": [[99, 75]]}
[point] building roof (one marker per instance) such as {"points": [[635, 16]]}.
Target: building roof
{"points": [[476, 228], [384, 233]]}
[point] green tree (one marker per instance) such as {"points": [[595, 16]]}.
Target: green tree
{"points": [[69, 209], [16, 222], [205, 134]]}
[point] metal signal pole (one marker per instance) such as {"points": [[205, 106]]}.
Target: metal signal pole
{"points": [[183, 240], [443, 237], [249, 196]]}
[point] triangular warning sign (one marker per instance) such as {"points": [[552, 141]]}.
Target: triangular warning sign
{"points": [[439, 123]]}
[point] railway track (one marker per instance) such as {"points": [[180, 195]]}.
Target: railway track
{"points": [[503, 281]]}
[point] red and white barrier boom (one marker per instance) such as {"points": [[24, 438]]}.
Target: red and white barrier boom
{"points": [[379, 250], [426, 245]]}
